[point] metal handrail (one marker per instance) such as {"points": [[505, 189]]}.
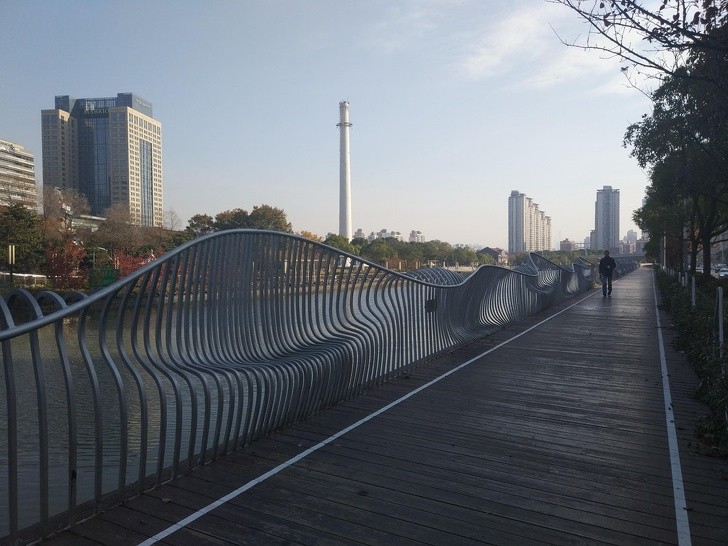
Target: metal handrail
{"points": [[212, 346]]}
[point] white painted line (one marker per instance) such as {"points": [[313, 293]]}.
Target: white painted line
{"points": [[678, 492], [242, 489]]}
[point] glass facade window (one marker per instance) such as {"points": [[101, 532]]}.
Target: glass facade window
{"points": [[94, 163], [146, 183]]}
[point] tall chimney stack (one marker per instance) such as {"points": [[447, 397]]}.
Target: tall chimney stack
{"points": [[345, 229]]}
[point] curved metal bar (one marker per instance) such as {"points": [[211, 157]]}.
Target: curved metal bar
{"points": [[98, 453], [224, 340], [13, 526], [70, 389], [41, 389]]}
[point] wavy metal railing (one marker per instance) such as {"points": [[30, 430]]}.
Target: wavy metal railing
{"points": [[214, 345]]}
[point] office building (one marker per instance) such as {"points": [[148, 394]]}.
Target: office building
{"points": [[606, 220], [529, 229], [17, 176], [108, 149]]}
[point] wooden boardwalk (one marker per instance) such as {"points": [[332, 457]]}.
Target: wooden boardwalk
{"points": [[558, 436]]}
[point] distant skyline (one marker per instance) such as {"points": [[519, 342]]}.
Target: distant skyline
{"points": [[453, 106]]}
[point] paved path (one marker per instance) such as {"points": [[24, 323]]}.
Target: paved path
{"points": [[553, 431]]}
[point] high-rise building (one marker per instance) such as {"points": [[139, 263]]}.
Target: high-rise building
{"points": [[606, 220], [17, 176], [416, 237], [108, 149], [529, 229]]}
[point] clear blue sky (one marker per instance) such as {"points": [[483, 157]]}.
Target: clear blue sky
{"points": [[453, 104]]}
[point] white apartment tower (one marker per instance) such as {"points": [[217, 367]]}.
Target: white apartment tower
{"points": [[606, 220], [108, 149], [529, 229], [17, 176]]}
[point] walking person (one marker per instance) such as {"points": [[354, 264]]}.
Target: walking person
{"points": [[607, 266]]}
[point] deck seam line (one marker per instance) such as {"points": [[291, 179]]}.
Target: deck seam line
{"points": [[252, 483], [678, 490]]}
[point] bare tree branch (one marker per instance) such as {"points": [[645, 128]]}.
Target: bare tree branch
{"points": [[654, 40]]}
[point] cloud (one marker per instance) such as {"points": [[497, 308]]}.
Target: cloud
{"points": [[524, 46], [519, 45], [514, 39], [403, 25], [567, 64]]}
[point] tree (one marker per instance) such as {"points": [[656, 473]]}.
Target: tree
{"points": [[232, 219], [663, 217], [380, 250], [172, 220], [685, 144], [311, 236], [271, 218], [63, 258], [437, 251], [656, 40], [200, 224], [412, 254], [462, 256], [117, 233], [60, 206], [175, 239], [127, 263], [21, 226], [340, 242], [129, 245], [359, 242], [651, 250], [485, 259]]}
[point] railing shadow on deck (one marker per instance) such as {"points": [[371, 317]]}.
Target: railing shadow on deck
{"points": [[215, 345]]}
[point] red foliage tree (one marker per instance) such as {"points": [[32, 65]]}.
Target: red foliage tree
{"points": [[128, 263], [63, 258]]}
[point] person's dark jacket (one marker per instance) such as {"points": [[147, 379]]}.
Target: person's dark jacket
{"points": [[607, 266]]}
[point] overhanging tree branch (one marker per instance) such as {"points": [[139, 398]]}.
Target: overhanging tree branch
{"points": [[675, 31]]}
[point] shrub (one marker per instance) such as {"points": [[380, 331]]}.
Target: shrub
{"points": [[697, 338]]}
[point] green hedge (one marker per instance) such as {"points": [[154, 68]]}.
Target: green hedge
{"points": [[697, 338]]}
